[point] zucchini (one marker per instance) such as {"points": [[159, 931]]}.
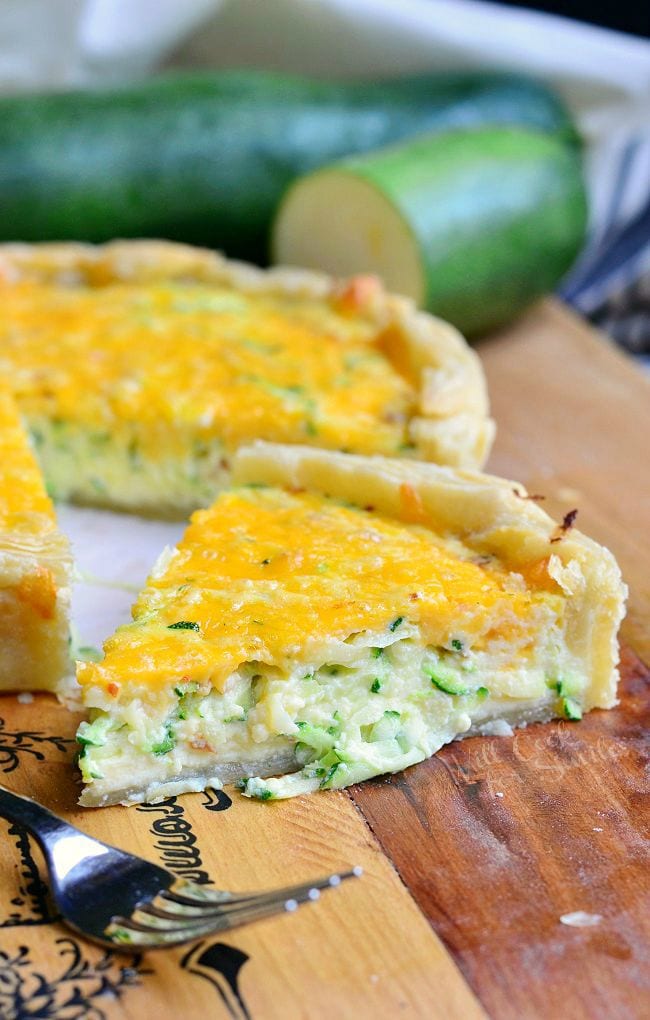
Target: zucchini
{"points": [[446, 679], [472, 225], [205, 158], [571, 709]]}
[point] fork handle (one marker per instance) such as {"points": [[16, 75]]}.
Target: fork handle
{"points": [[37, 819]]}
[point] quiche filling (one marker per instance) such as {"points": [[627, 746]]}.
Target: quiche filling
{"points": [[138, 395], [34, 567], [24, 502], [295, 642]]}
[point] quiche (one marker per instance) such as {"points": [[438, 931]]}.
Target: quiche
{"points": [[333, 617], [35, 567], [141, 367]]}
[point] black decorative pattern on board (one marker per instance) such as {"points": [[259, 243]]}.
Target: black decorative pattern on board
{"points": [[215, 800], [32, 903], [14, 743], [80, 988], [175, 841], [220, 965], [177, 848]]}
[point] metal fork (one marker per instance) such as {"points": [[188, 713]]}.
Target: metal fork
{"points": [[117, 899]]}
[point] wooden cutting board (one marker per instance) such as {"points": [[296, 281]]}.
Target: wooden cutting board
{"points": [[470, 859]]}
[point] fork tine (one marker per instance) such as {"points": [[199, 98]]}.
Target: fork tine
{"points": [[189, 927], [167, 927], [170, 934], [153, 910], [182, 894], [202, 911], [123, 930], [135, 924], [295, 894]]}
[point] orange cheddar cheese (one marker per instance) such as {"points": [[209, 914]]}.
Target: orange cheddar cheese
{"points": [[142, 367]]}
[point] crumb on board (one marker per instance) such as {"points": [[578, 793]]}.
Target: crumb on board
{"points": [[25, 698], [580, 919]]}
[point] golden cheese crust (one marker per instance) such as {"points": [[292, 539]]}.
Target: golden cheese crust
{"points": [[450, 423], [489, 514]]}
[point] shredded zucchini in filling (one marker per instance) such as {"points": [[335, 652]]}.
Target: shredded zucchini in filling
{"points": [[384, 707], [248, 657]]}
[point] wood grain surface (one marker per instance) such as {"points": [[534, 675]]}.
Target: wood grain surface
{"points": [[498, 838], [471, 858]]}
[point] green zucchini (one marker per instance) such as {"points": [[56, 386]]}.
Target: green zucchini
{"points": [[205, 158], [571, 709], [472, 225], [446, 679]]}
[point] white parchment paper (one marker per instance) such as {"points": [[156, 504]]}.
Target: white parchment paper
{"points": [[113, 554]]}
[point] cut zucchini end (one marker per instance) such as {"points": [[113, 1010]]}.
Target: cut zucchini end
{"points": [[342, 224]]}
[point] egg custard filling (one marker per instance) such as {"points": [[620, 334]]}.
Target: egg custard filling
{"points": [[301, 637], [35, 567], [142, 367]]}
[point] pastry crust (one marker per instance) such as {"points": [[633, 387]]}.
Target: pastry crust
{"points": [[452, 423], [33, 635], [35, 569], [491, 515]]}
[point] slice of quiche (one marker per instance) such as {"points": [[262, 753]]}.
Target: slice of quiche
{"points": [[35, 568], [141, 367], [334, 617]]}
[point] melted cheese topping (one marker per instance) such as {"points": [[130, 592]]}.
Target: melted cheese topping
{"points": [[22, 492], [271, 576], [232, 366]]}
